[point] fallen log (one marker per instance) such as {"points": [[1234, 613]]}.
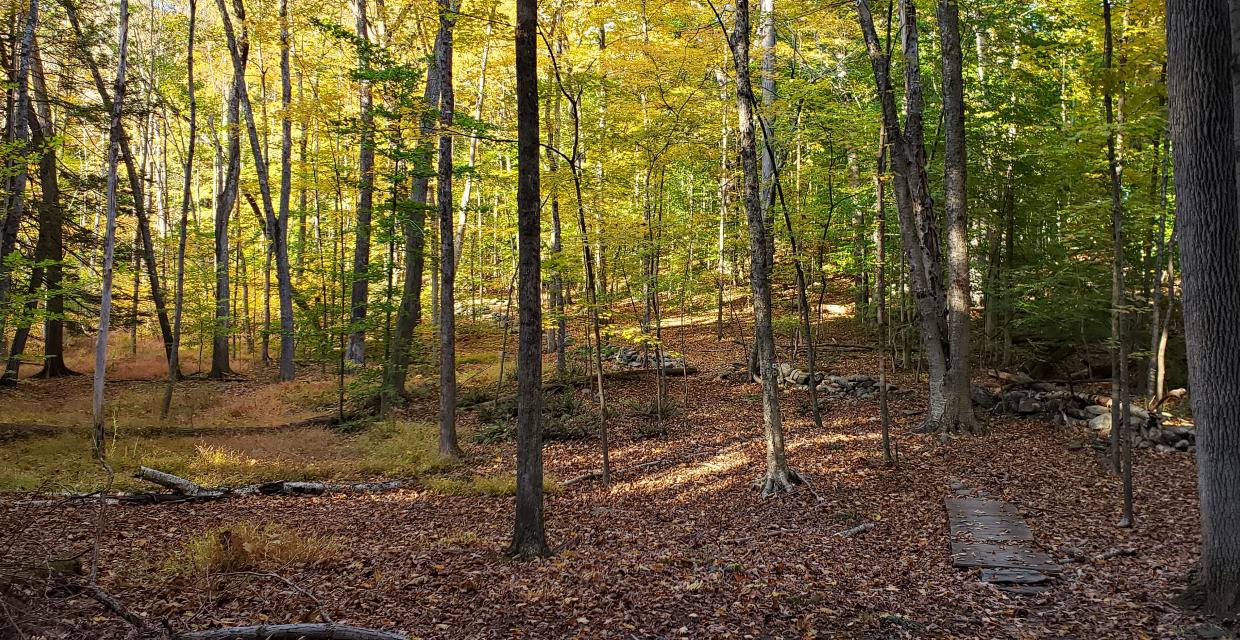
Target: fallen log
{"points": [[326, 631], [667, 371], [1014, 378], [187, 490]]}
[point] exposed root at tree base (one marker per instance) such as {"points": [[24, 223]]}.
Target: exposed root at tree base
{"points": [[779, 481]]}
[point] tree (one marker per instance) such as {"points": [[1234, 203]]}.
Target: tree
{"points": [[447, 315], [958, 414], [528, 535], [779, 477], [109, 241], [356, 350], [1201, 99], [186, 196], [409, 314]]}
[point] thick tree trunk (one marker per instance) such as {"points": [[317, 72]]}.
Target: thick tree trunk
{"points": [[356, 350], [528, 535], [958, 412], [20, 138], [778, 477], [448, 446], [1201, 96]]}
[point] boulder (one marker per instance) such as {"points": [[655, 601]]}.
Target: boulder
{"points": [[1101, 424], [1162, 448], [1026, 406], [1097, 410], [983, 397]]}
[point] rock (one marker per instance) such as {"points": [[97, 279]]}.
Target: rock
{"points": [[1027, 406], [1182, 433], [785, 370], [799, 377], [1162, 448], [1101, 423], [1182, 445], [1097, 410], [983, 397]]}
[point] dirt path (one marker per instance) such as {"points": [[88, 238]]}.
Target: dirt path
{"points": [[686, 548]]}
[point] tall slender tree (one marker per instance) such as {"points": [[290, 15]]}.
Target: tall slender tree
{"points": [[356, 350], [109, 237], [528, 535], [186, 201], [448, 446], [779, 477]]}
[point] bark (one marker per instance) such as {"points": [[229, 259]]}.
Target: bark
{"points": [[447, 315], [1118, 346], [115, 135], [20, 138], [280, 244], [356, 350], [880, 295], [51, 228], [1201, 96], [528, 535], [225, 202], [958, 412], [778, 477], [721, 77], [1153, 390], [186, 199]]}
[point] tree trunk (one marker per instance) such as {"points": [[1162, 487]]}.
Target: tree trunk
{"points": [[280, 242], [356, 351], [958, 413], [186, 200], [277, 235], [109, 238], [410, 312], [220, 361], [528, 536], [1201, 95], [778, 477], [447, 307]]}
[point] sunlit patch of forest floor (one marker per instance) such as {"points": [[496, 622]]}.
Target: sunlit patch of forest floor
{"points": [[679, 546]]}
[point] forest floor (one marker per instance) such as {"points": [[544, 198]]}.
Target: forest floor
{"points": [[683, 547]]}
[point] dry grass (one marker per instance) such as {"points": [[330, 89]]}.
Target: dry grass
{"points": [[250, 546], [64, 460]]}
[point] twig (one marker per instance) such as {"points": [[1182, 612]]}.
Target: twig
{"points": [[117, 607], [861, 528], [1114, 553]]}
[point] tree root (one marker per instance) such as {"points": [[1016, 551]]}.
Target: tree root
{"points": [[779, 481]]}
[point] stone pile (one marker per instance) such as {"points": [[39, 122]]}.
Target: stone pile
{"points": [[856, 385], [1089, 412], [631, 358]]}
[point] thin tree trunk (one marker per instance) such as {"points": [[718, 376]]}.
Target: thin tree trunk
{"points": [[448, 446], [186, 200], [778, 476], [109, 239], [356, 351]]}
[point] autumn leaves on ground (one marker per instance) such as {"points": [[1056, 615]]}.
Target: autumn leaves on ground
{"points": [[680, 545]]}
